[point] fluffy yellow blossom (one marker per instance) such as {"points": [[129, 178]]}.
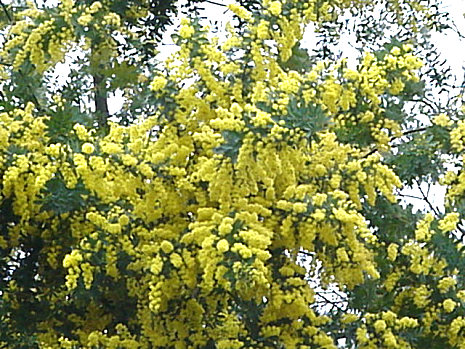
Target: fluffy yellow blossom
{"points": [[423, 232], [390, 340], [449, 305], [263, 30], [396, 51], [166, 246], [442, 120], [176, 260], [349, 318], [407, 47], [342, 255], [379, 326], [203, 209], [396, 87], [392, 251], [319, 199], [123, 220], [240, 11], [186, 31], [449, 222], [275, 8], [456, 136], [446, 283], [222, 245], [88, 148], [421, 296], [72, 260], [158, 83], [85, 19], [81, 132], [407, 322]]}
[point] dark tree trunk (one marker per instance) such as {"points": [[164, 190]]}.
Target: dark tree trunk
{"points": [[100, 99]]}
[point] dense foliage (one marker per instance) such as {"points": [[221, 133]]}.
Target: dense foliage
{"points": [[247, 194]]}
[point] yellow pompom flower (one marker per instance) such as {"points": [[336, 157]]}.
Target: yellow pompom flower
{"points": [[240, 11], [167, 246], [186, 31], [446, 283], [123, 220], [379, 325], [392, 251], [88, 148], [222, 245], [275, 8], [449, 222], [449, 305]]}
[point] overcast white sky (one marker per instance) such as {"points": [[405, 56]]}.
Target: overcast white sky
{"points": [[450, 44]]}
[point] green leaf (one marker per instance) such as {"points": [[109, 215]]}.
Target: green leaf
{"points": [[299, 61], [61, 123], [122, 74], [231, 146], [309, 118], [61, 199]]}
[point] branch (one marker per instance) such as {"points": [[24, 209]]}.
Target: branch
{"points": [[426, 101], [215, 3], [425, 197], [412, 131], [5, 9], [435, 210], [409, 196], [335, 304], [306, 253]]}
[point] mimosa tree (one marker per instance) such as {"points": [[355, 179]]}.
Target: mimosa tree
{"points": [[244, 183]]}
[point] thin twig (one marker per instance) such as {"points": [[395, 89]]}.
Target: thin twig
{"points": [[409, 196], [333, 303], [426, 101], [425, 198], [214, 3], [412, 131]]}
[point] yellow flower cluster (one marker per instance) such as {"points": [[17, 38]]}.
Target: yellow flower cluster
{"points": [[44, 37], [456, 136], [449, 222], [421, 261], [442, 120], [186, 30], [30, 39], [86, 16], [382, 330], [371, 79]]}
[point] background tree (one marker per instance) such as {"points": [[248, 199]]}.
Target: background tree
{"points": [[248, 183]]}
